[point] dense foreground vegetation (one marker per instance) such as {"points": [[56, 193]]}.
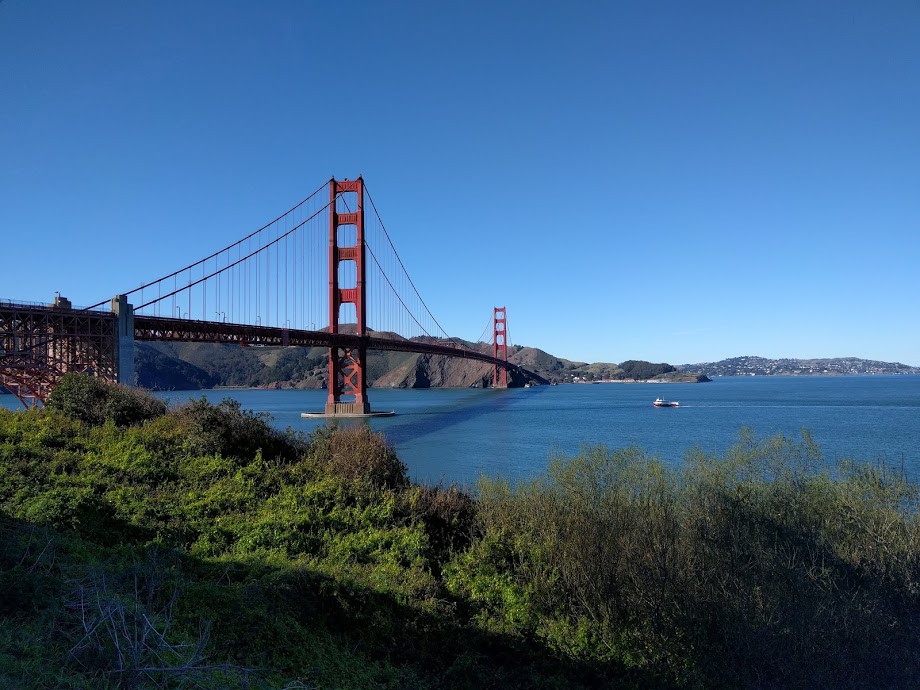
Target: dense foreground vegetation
{"points": [[196, 547]]}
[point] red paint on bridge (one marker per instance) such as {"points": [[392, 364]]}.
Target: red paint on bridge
{"points": [[499, 347], [347, 363], [39, 343]]}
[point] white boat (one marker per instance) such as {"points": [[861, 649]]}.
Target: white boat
{"points": [[665, 403]]}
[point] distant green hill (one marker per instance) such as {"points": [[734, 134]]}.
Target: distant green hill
{"points": [[762, 366], [176, 366]]}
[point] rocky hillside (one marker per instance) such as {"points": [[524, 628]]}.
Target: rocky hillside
{"points": [[434, 371], [184, 366]]}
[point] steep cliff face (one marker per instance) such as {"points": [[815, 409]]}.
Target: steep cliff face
{"points": [[436, 371]]}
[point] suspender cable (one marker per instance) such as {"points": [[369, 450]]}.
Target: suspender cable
{"points": [[383, 227], [201, 261], [248, 256]]}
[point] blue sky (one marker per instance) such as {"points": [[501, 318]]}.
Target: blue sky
{"points": [[668, 181]]}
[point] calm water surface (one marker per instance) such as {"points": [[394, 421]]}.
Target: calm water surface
{"points": [[454, 435]]}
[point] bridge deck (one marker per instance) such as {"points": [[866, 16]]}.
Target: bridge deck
{"points": [[39, 344], [152, 328]]}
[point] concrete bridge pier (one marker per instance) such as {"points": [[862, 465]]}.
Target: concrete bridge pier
{"points": [[124, 341]]}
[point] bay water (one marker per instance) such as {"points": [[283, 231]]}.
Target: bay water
{"points": [[454, 435]]}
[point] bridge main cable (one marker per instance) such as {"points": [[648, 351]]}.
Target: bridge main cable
{"points": [[406, 273], [228, 266], [218, 253]]}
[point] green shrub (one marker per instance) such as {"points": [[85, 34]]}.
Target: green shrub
{"points": [[448, 515], [228, 430], [758, 568], [357, 454], [94, 400], [765, 567]]}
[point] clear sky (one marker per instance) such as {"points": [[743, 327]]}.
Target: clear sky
{"points": [[669, 181]]}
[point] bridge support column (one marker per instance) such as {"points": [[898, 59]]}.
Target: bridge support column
{"points": [[124, 340], [499, 347], [347, 365]]}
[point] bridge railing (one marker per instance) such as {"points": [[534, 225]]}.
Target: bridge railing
{"points": [[27, 304], [22, 304]]}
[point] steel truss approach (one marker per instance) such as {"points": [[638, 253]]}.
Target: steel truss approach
{"points": [[39, 344]]}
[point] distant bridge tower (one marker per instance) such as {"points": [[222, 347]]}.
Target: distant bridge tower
{"points": [[499, 347], [347, 364]]}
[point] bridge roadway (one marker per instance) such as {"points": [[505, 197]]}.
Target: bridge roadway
{"points": [[33, 326], [39, 343], [156, 328]]}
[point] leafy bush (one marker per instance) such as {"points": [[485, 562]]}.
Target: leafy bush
{"points": [[228, 430], [448, 515], [358, 455], [758, 568], [320, 560], [93, 400]]}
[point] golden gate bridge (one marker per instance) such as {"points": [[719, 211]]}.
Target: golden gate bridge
{"points": [[323, 274]]}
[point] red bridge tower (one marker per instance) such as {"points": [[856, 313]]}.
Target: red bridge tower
{"points": [[499, 347], [347, 364]]}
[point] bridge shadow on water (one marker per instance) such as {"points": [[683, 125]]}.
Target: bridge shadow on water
{"points": [[427, 419]]}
